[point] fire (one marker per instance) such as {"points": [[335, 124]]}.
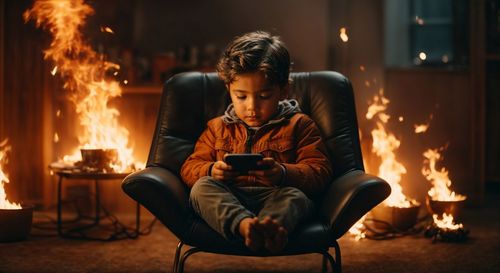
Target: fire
{"points": [[86, 75], [446, 222], [343, 35], [384, 145], [440, 190], [4, 203], [421, 128], [358, 229]]}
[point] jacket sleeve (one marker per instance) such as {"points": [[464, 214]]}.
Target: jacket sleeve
{"points": [[198, 164], [312, 171]]}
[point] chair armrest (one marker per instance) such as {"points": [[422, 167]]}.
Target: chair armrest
{"points": [[350, 197], [163, 194]]}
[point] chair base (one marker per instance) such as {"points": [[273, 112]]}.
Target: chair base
{"points": [[335, 263]]}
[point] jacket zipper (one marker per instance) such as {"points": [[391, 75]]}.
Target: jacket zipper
{"points": [[249, 140]]}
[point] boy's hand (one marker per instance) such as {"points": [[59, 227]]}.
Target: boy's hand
{"points": [[223, 172], [270, 176]]}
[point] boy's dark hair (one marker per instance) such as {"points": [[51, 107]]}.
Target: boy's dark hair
{"points": [[252, 52]]}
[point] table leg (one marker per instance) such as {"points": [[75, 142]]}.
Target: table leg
{"points": [[97, 202], [59, 206]]}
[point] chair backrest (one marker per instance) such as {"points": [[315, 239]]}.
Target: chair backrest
{"points": [[190, 99]]}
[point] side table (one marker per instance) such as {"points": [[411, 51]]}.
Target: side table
{"points": [[96, 177]]}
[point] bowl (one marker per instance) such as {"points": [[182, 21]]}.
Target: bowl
{"points": [[15, 224], [98, 159], [399, 218], [454, 207]]}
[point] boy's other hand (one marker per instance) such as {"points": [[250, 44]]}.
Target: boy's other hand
{"points": [[270, 176], [223, 172]]}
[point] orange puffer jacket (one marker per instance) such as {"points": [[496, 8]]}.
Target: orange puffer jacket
{"points": [[294, 142]]}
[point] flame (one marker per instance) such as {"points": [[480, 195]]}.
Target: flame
{"points": [[446, 222], [107, 29], [358, 229], [384, 145], [440, 190], [343, 35], [85, 74], [4, 203], [421, 128]]}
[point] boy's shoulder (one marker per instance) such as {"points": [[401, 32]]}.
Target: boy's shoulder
{"points": [[217, 124], [301, 118]]}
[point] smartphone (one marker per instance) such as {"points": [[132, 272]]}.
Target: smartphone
{"points": [[244, 162]]}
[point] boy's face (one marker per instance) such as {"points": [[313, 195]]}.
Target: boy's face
{"points": [[255, 101]]}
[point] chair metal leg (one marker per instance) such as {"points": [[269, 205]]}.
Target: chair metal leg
{"points": [[184, 257], [338, 259], [177, 255], [324, 265], [335, 263]]}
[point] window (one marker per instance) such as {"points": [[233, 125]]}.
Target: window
{"points": [[426, 33]]}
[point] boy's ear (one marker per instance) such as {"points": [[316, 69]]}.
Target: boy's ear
{"points": [[284, 92]]}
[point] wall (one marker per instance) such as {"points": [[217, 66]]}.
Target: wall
{"points": [[166, 25]]}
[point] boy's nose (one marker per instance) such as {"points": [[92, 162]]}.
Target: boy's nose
{"points": [[251, 105]]}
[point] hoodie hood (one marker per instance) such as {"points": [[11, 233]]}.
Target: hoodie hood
{"points": [[286, 109]]}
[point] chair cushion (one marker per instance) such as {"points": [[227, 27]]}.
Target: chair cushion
{"points": [[310, 237]]}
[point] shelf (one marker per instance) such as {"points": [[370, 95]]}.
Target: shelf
{"points": [[142, 89]]}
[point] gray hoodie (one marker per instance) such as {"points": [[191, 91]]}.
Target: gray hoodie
{"points": [[286, 109]]}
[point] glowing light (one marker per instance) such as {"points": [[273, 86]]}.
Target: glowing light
{"points": [[446, 222], [343, 35], [384, 145], [419, 20], [440, 190], [84, 74], [358, 229], [420, 128], [422, 56], [401, 118], [107, 29], [362, 67], [4, 203], [54, 71], [56, 138]]}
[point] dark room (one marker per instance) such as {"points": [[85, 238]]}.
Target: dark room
{"points": [[250, 136]]}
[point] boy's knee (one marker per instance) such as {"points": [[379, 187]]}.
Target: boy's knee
{"points": [[201, 186], [295, 195]]}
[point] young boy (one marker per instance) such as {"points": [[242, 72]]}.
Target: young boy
{"points": [[261, 207]]}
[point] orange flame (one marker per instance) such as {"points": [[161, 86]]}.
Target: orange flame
{"points": [[85, 74], [4, 203], [384, 145], [440, 190], [358, 229], [421, 128], [343, 35], [446, 222]]}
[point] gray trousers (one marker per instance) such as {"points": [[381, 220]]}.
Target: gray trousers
{"points": [[223, 206]]}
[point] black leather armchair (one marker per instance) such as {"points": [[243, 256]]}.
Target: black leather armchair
{"points": [[189, 100]]}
